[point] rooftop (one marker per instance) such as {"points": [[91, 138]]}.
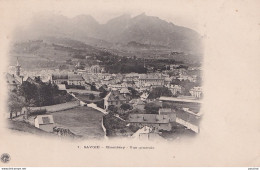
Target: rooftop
{"points": [[148, 118], [45, 119], [11, 79]]}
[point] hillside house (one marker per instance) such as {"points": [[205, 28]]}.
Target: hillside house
{"points": [[114, 98], [44, 122], [12, 81]]}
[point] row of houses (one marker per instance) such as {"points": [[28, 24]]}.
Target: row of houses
{"points": [[165, 120]]}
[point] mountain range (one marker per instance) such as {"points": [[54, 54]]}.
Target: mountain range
{"points": [[121, 33]]}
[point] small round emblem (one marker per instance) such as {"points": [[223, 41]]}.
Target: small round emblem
{"points": [[5, 158]]}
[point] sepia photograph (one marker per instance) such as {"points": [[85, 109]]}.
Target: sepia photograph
{"points": [[133, 76], [153, 82]]}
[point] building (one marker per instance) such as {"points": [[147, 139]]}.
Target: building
{"points": [[151, 80], [146, 134], [68, 78], [131, 77], [144, 96], [44, 122], [12, 81], [189, 119], [18, 68], [124, 91], [114, 98], [138, 104], [168, 111], [76, 79], [59, 78], [176, 89], [95, 69], [174, 66], [154, 121], [196, 92]]}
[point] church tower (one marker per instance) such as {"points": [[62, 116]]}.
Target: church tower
{"points": [[18, 68]]}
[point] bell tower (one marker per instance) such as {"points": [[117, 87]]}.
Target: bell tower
{"points": [[18, 68]]}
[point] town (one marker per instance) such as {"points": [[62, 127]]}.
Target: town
{"points": [[158, 104]]}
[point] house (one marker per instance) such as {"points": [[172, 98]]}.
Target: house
{"points": [[138, 104], [146, 134], [155, 121], [170, 112], [167, 81], [75, 79], [131, 77], [174, 66], [68, 78], [114, 98], [61, 86], [151, 80], [144, 96], [124, 91], [30, 111], [176, 89], [44, 122], [59, 78], [150, 137], [196, 92], [95, 69], [189, 119], [12, 81]]}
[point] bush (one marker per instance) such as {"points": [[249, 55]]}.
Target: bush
{"points": [[125, 106], [152, 108], [91, 97], [75, 87], [112, 123], [100, 104], [133, 128]]}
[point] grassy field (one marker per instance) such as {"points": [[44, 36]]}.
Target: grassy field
{"points": [[83, 121]]}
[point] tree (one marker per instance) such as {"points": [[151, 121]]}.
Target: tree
{"points": [[91, 97], [15, 103], [151, 108], [159, 91], [134, 93], [112, 109], [43, 94], [125, 106], [93, 87], [28, 91], [103, 92]]}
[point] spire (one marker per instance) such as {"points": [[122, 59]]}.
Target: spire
{"points": [[18, 68], [17, 62]]}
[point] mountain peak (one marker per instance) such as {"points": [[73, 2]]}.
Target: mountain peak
{"points": [[120, 18], [85, 19]]}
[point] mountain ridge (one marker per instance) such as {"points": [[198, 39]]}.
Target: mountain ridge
{"points": [[115, 33]]}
